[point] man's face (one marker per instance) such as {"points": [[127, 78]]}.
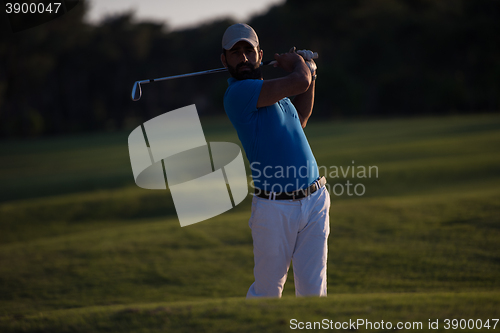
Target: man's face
{"points": [[243, 61]]}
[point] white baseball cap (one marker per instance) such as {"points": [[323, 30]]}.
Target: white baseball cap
{"points": [[238, 32]]}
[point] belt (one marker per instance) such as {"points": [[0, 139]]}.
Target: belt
{"points": [[295, 195]]}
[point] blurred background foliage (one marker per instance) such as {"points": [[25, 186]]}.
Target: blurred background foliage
{"points": [[378, 58]]}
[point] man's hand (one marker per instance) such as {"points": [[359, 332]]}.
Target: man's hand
{"points": [[308, 56], [288, 61], [312, 66]]}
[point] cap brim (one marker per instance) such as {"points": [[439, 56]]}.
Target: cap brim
{"points": [[230, 44]]}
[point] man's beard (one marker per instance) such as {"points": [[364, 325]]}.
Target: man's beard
{"points": [[254, 73]]}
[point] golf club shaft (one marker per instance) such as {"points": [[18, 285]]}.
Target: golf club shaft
{"points": [[210, 71], [137, 90]]}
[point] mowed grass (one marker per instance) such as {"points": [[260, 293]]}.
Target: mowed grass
{"points": [[82, 249]]}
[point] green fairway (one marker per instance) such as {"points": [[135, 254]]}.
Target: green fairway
{"points": [[82, 249]]}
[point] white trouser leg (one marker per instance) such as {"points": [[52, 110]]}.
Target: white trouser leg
{"points": [[311, 249], [273, 233]]}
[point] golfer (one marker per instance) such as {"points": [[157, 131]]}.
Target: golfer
{"points": [[290, 208]]}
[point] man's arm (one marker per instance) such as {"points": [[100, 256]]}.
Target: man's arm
{"points": [[295, 83], [304, 104]]}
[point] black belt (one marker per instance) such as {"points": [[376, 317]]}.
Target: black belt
{"points": [[295, 195]]}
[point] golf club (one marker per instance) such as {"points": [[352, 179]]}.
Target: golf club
{"points": [[137, 91]]}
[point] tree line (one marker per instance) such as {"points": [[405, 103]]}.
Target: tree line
{"points": [[377, 58]]}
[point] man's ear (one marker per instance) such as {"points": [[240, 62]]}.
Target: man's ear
{"points": [[261, 55], [223, 59]]}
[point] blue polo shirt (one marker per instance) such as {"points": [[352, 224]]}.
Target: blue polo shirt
{"points": [[280, 157]]}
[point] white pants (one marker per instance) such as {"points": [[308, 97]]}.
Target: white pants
{"points": [[287, 230]]}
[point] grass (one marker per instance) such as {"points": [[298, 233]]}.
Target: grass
{"points": [[237, 315], [82, 249]]}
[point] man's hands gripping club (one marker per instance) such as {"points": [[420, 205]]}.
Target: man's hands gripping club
{"points": [[307, 55]]}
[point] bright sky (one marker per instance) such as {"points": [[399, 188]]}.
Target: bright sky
{"points": [[180, 13]]}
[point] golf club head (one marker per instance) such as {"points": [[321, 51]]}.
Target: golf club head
{"points": [[136, 91]]}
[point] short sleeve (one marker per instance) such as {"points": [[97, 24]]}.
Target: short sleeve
{"points": [[241, 98]]}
